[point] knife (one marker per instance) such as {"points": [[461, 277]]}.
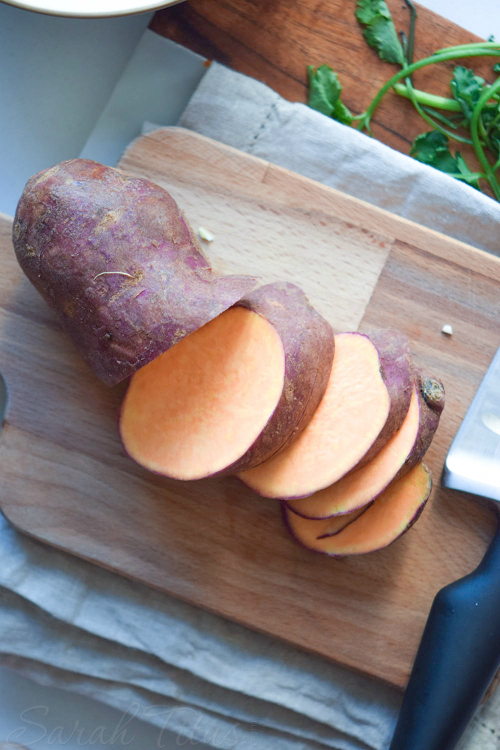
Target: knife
{"points": [[459, 653]]}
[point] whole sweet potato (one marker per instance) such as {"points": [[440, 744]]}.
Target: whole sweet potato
{"points": [[113, 254]]}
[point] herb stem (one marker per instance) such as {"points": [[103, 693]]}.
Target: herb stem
{"points": [[462, 48], [450, 54], [482, 129], [404, 44], [478, 147], [429, 100], [439, 116], [430, 120], [411, 32]]}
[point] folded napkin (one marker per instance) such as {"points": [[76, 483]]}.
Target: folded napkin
{"points": [[203, 679]]}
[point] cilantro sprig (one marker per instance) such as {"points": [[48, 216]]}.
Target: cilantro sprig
{"points": [[379, 30], [324, 93], [471, 115]]}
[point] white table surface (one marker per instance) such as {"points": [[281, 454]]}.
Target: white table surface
{"points": [[58, 80]]}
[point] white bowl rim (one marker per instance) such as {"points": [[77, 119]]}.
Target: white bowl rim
{"points": [[81, 9]]}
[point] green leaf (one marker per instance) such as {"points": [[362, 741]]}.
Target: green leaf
{"points": [[324, 93], [432, 149], [466, 88], [496, 68], [379, 30]]}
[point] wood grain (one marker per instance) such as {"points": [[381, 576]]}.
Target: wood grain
{"points": [[275, 41], [66, 480]]}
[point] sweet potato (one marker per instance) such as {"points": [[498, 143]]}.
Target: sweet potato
{"points": [[114, 256], [305, 531], [398, 373], [369, 387], [390, 515], [432, 398], [233, 393], [402, 453]]}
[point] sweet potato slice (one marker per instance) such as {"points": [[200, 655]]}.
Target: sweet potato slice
{"points": [[359, 487], [309, 344], [114, 256], [390, 515], [307, 533], [431, 398], [398, 372], [349, 420], [402, 453], [232, 393]]}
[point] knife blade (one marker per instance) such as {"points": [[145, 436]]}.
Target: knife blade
{"points": [[459, 653], [473, 461]]}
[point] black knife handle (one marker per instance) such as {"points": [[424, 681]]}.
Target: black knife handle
{"points": [[458, 657]]}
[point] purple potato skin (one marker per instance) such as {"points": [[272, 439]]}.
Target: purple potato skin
{"points": [[398, 374], [114, 256], [285, 515], [347, 520], [308, 343], [431, 396]]}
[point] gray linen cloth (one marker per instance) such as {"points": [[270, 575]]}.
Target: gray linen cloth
{"points": [[67, 623]]}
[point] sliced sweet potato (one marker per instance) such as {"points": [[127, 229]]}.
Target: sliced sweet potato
{"points": [[232, 393], [390, 515], [367, 388], [309, 345], [359, 487], [307, 533], [432, 399], [114, 256], [398, 373], [402, 453]]}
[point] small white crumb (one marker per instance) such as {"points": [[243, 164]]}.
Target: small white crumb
{"points": [[206, 235], [447, 330]]}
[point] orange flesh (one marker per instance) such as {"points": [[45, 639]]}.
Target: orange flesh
{"points": [[360, 487], [349, 418], [201, 405], [380, 524]]}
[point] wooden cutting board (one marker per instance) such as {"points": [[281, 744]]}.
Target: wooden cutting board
{"points": [[66, 480]]}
